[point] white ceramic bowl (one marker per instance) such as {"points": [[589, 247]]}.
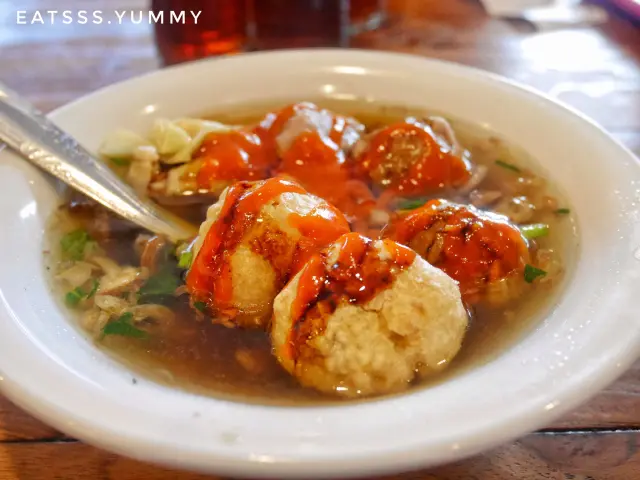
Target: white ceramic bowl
{"points": [[588, 339]]}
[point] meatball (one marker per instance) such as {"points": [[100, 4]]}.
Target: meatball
{"points": [[284, 127], [483, 251], [254, 238], [409, 158], [313, 145], [221, 159], [367, 317]]}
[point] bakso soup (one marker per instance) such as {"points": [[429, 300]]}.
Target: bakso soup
{"points": [[345, 251]]}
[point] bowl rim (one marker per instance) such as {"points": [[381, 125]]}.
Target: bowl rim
{"points": [[569, 395]]}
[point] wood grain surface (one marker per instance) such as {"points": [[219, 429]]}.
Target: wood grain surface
{"points": [[596, 70]]}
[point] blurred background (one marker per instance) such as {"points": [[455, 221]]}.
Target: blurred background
{"points": [[586, 53], [595, 41]]}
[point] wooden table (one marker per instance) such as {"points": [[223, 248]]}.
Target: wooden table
{"points": [[596, 70]]}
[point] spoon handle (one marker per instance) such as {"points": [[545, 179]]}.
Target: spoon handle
{"points": [[34, 137]]}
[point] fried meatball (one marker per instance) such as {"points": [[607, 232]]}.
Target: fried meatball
{"points": [[254, 238], [222, 159], [409, 158], [481, 250], [367, 317], [313, 144], [284, 127]]}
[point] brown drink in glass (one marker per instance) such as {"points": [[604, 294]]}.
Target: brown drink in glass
{"points": [[220, 28], [312, 23], [299, 23]]}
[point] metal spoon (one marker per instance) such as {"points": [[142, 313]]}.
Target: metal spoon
{"points": [[37, 139]]}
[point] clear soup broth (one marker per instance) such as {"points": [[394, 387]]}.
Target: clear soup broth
{"points": [[196, 355]]}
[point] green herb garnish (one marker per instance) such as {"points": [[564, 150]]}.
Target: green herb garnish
{"points": [[531, 273], [508, 166], [535, 230], [94, 288], [123, 327], [73, 244], [159, 286], [200, 306], [74, 297], [185, 259], [411, 204], [563, 211], [121, 162]]}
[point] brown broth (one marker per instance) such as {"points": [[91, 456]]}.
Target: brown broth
{"points": [[201, 357]]}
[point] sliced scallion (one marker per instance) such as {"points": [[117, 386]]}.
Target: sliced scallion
{"points": [[535, 230], [94, 288], [508, 166], [185, 259], [73, 244], [74, 297]]}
